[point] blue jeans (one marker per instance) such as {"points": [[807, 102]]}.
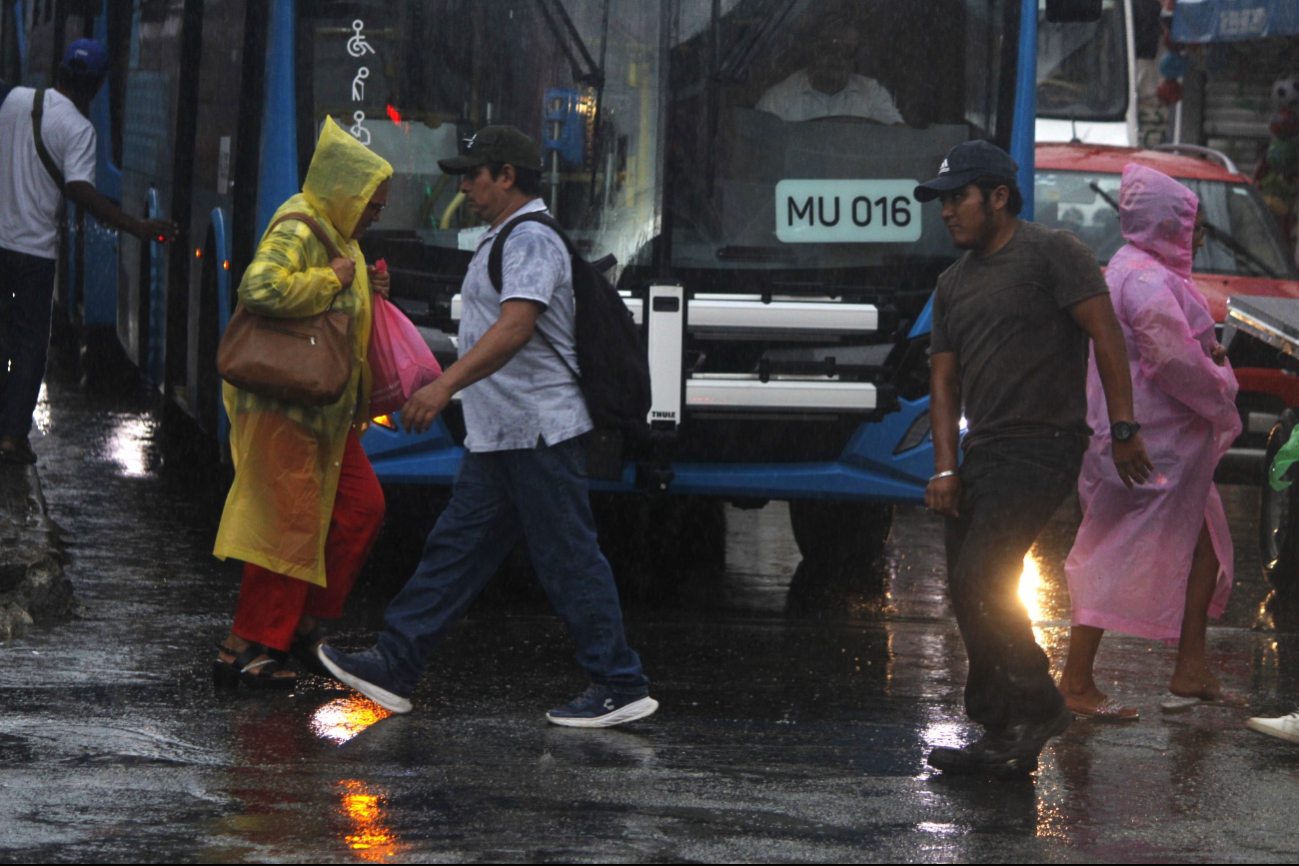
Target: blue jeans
{"points": [[499, 496], [26, 301]]}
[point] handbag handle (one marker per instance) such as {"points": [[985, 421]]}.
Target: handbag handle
{"points": [[321, 235]]}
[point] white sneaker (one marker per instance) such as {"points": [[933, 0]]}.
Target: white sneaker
{"points": [[1284, 728]]}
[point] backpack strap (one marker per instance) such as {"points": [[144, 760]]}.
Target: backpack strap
{"points": [[495, 259], [38, 111], [495, 267]]}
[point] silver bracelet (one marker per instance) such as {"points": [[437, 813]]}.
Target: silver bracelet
{"points": [[949, 473]]}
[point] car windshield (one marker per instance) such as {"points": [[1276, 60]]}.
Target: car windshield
{"points": [[1244, 239], [1082, 67], [799, 131]]}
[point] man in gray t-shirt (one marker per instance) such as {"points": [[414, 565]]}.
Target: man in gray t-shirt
{"points": [[1012, 321], [524, 476]]}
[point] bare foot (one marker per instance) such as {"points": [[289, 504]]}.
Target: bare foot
{"points": [[1204, 685], [1091, 702]]}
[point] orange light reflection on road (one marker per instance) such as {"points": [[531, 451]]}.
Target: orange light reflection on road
{"points": [[343, 719], [363, 808]]}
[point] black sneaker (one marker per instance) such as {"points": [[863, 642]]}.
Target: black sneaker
{"points": [[1009, 754], [367, 672], [984, 757], [601, 707]]}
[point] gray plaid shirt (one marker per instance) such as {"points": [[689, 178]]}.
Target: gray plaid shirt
{"points": [[535, 397]]}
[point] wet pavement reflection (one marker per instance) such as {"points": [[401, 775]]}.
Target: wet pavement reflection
{"points": [[790, 729]]}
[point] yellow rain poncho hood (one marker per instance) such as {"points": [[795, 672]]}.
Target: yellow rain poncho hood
{"points": [[287, 456]]}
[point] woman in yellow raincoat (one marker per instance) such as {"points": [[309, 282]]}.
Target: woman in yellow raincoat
{"points": [[305, 507]]}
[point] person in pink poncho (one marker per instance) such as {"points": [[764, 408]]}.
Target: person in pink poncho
{"points": [[1156, 561]]}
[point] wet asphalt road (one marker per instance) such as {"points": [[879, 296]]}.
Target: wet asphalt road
{"points": [[781, 736]]}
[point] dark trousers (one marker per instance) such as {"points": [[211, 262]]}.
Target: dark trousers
{"points": [[1010, 489], [540, 495], [26, 302]]}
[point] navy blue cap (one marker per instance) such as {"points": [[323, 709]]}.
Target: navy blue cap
{"points": [[86, 58], [965, 164]]}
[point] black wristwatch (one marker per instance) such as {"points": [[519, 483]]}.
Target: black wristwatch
{"points": [[1122, 431]]}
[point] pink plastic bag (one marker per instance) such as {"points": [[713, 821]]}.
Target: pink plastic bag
{"points": [[400, 361]]}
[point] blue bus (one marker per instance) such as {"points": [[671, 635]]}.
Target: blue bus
{"points": [[749, 164]]}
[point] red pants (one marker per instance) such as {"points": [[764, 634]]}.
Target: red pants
{"points": [[271, 604]]}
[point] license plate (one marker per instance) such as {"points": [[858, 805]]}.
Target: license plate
{"points": [[847, 212]]}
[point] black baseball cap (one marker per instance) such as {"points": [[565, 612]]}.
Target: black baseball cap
{"points": [[503, 144], [965, 164]]}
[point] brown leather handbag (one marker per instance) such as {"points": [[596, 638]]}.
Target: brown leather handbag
{"points": [[305, 360]]}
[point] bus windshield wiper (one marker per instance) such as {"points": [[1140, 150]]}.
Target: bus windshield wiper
{"points": [[1239, 250], [585, 69]]}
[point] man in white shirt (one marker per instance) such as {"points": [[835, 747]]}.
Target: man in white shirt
{"points": [[829, 87], [32, 186]]}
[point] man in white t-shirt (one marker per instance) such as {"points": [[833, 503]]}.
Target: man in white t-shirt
{"points": [[829, 87], [32, 187]]}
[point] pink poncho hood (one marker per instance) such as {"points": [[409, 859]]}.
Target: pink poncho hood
{"points": [[1157, 216]]}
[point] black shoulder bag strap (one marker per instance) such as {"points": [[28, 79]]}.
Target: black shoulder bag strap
{"points": [[38, 111], [496, 266]]}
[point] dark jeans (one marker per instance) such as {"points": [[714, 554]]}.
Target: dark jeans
{"points": [[498, 497], [1010, 489], [26, 301]]}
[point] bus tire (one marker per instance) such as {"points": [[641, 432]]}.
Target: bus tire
{"points": [[1278, 514], [842, 545]]}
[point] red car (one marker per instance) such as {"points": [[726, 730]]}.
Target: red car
{"points": [[1077, 188]]}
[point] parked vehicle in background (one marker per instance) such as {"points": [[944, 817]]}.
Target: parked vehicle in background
{"points": [[1076, 188], [1086, 77]]}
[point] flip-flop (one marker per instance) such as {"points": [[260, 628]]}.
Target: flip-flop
{"points": [[1109, 710], [1179, 704]]}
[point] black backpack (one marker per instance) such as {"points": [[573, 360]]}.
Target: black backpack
{"points": [[611, 355]]}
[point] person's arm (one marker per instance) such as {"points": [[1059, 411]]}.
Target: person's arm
{"points": [[99, 206], [1095, 315], [279, 282], [943, 495], [502, 341], [1175, 360]]}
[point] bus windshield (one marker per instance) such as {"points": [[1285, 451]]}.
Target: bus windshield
{"points": [[1082, 68], [685, 137], [415, 80], [799, 131]]}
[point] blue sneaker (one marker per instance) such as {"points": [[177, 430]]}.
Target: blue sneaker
{"points": [[367, 672], [601, 707]]}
